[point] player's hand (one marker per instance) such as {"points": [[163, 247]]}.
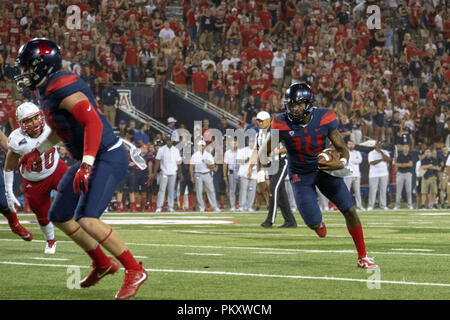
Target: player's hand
{"points": [[335, 164], [80, 181], [149, 182], [12, 201], [28, 160]]}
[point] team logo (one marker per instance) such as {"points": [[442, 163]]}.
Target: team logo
{"points": [[295, 178], [291, 133], [125, 101], [23, 141]]}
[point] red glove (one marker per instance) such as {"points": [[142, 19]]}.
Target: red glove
{"points": [[80, 181], [29, 159]]}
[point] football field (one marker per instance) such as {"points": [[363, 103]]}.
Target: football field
{"points": [[228, 256]]}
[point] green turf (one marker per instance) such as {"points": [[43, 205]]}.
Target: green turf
{"points": [[245, 261]]}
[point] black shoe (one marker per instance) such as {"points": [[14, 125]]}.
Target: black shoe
{"points": [[288, 225], [266, 224]]}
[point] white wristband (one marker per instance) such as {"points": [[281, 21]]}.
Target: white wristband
{"points": [[343, 160], [88, 159], [9, 180]]}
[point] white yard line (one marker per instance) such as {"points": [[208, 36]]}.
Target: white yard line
{"points": [[202, 254], [259, 248], [258, 275]]}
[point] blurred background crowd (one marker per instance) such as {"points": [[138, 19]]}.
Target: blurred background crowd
{"points": [[388, 83]]}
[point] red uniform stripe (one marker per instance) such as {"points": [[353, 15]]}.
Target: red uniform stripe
{"points": [[61, 82], [328, 117], [279, 124]]}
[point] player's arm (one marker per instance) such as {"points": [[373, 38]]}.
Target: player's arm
{"points": [[82, 110], [12, 158], [339, 144], [3, 140]]}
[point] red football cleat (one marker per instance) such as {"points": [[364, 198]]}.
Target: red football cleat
{"points": [[97, 273], [367, 263], [133, 280], [322, 230], [22, 232]]}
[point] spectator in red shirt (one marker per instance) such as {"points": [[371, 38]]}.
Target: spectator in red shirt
{"points": [[199, 83], [131, 60], [179, 73]]}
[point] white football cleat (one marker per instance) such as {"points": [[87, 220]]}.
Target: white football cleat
{"points": [[50, 247], [367, 263]]}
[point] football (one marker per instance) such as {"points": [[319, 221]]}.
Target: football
{"points": [[328, 155]]}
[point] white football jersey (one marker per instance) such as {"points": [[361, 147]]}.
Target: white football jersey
{"points": [[21, 143]]}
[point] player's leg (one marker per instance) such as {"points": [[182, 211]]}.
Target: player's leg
{"points": [[61, 214], [408, 187], [335, 189], [39, 200], [107, 172], [306, 199], [13, 222]]}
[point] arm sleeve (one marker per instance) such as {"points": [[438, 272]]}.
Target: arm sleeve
{"points": [[85, 114]]}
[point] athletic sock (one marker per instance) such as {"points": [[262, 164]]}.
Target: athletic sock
{"points": [[128, 261], [358, 239], [48, 231], [97, 255]]}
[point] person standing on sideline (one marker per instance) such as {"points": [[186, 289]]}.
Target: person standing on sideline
{"points": [[429, 168], [230, 173], [403, 178], [201, 164], [355, 178], [109, 99], [247, 178], [278, 196], [378, 175], [168, 159], [443, 177], [87, 187]]}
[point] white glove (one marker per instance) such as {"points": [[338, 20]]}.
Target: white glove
{"points": [[10, 198], [12, 201]]}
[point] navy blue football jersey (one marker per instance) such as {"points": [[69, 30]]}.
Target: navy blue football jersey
{"points": [[59, 86], [305, 142]]}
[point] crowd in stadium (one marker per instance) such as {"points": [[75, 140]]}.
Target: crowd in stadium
{"points": [[388, 84]]}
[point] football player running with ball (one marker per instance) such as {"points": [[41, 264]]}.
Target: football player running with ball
{"points": [[44, 175], [86, 189], [304, 130]]}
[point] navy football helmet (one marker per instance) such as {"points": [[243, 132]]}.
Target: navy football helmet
{"points": [[36, 60], [297, 93]]}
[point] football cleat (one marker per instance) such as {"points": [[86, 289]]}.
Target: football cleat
{"points": [[322, 230], [50, 247], [99, 272], [133, 280], [367, 263], [22, 232]]}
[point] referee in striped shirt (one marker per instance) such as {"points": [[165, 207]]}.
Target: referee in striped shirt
{"points": [[278, 195]]}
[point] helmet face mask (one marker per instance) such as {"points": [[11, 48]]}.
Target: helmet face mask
{"points": [[36, 60]]}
